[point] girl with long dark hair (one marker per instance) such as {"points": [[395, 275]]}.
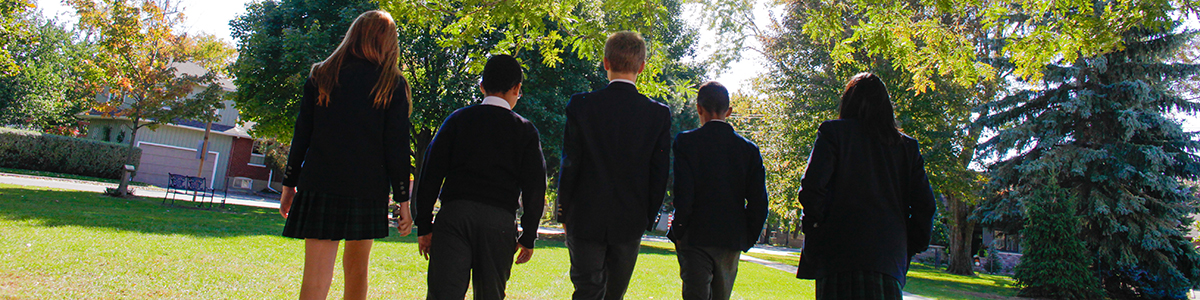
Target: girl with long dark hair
{"points": [[868, 207]]}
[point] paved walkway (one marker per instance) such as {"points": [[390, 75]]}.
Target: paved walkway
{"points": [[257, 201], [141, 191]]}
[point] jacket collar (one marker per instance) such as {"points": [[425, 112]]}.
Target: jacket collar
{"points": [[622, 85]]}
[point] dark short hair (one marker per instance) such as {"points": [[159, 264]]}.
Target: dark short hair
{"points": [[501, 74], [625, 51], [866, 100], [713, 97]]}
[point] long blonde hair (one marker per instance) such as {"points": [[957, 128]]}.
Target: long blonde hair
{"points": [[372, 36]]}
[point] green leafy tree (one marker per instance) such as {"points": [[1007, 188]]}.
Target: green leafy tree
{"points": [[813, 54], [1061, 271], [14, 29], [1104, 125], [51, 88], [138, 42], [277, 42]]}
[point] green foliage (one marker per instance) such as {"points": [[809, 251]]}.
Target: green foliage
{"points": [[277, 42], [52, 153], [1104, 125], [51, 87], [806, 75], [12, 29], [1055, 263]]}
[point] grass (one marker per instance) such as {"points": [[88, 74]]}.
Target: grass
{"points": [[934, 283], [68, 176], [73, 245]]}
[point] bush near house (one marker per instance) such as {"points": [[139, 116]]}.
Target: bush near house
{"points": [[30, 150]]}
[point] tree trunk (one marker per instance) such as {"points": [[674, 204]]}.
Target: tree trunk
{"points": [[123, 188], [962, 233], [421, 139]]}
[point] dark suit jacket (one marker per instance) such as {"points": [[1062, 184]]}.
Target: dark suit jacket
{"points": [[487, 154], [614, 164], [867, 205], [720, 189], [349, 147]]}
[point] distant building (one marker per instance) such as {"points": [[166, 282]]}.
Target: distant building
{"points": [[232, 160]]}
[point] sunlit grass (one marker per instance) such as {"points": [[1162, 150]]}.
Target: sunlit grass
{"points": [[79, 245]]}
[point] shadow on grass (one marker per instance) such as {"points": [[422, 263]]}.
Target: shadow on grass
{"points": [[53, 208]]}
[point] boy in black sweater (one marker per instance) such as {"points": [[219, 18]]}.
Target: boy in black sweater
{"points": [[484, 163]]}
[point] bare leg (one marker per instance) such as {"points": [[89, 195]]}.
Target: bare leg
{"points": [[355, 261], [319, 256]]}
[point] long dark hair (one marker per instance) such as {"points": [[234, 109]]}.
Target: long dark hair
{"points": [[866, 100], [372, 37]]}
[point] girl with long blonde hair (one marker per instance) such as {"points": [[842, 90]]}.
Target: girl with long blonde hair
{"points": [[349, 152]]}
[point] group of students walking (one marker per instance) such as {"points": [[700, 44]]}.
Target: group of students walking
{"points": [[868, 205]]}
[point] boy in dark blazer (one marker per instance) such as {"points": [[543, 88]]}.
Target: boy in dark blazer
{"points": [[485, 162], [614, 172], [720, 198]]}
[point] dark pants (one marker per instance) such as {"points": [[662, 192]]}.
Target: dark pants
{"points": [[471, 241], [601, 270], [858, 285], [707, 272]]}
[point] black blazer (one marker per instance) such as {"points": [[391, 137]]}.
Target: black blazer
{"points": [[614, 164], [867, 206], [487, 154], [349, 147], [720, 189]]}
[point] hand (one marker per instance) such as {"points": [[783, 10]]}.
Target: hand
{"points": [[525, 254], [285, 200], [404, 220], [424, 244]]}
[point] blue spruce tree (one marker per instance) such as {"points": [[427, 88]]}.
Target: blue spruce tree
{"points": [[1104, 125]]}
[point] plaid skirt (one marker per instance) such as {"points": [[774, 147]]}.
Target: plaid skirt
{"points": [[335, 217], [858, 285]]}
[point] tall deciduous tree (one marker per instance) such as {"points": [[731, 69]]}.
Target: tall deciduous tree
{"points": [[1104, 125], [936, 63], [51, 88], [12, 28], [139, 41]]}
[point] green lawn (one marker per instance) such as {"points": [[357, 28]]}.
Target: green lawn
{"points": [[932, 282], [73, 245]]}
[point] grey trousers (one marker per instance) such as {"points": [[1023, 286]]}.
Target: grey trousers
{"points": [[707, 272], [471, 241], [601, 270]]}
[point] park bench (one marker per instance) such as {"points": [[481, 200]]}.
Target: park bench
{"points": [[190, 185]]}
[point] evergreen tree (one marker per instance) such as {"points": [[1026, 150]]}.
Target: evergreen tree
{"points": [[1104, 124], [1059, 272]]}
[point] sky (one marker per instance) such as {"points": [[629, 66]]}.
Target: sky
{"points": [[213, 16]]}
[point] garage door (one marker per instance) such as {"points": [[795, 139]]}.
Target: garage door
{"points": [[160, 160]]}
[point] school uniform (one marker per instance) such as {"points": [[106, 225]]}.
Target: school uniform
{"points": [[612, 182], [346, 157], [720, 207], [868, 208], [484, 163]]}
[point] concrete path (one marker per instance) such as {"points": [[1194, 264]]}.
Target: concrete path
{"points": [[257, 201], [141, 191]]}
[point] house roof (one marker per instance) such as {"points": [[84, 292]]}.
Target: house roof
{"points": [[191, 68], [235, 131]]}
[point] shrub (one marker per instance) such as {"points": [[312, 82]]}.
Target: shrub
{"points": [[30, 150], [1055, 264]]}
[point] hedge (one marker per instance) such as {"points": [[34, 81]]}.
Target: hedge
{"points": [[30, 150]]}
